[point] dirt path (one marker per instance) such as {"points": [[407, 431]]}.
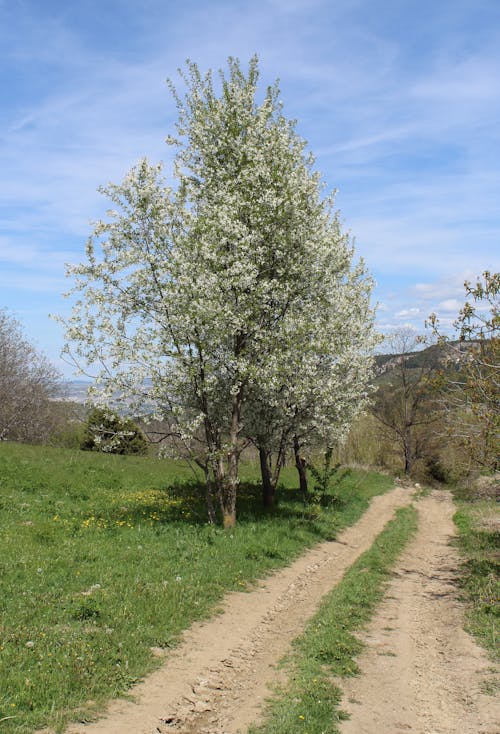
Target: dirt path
{"points": [[217, 679], [421, 673]]}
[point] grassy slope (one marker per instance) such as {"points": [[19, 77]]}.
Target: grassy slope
{"points": [[104, 557], [478, 541], [309, 704]]}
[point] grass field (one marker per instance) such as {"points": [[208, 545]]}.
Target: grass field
{"points": [[478, 524], [104, 557]]}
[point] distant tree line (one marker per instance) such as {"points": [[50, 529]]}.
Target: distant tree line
{"points": [[437, 406], [29, 383]]}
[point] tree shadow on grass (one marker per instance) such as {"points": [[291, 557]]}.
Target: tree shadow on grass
{"points": [[289, 508], [250, 508], [186, 502]]}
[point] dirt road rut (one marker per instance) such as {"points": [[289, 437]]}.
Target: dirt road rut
{"points": [[216, 680], [421, 673]]}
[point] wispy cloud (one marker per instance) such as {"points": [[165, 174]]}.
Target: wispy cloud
{"points": [[408, 312], [401, 108]]}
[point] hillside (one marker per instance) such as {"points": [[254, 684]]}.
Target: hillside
{"points": [[434, 356]]}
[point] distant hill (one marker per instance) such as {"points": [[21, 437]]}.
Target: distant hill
{"points": [[435, 356], [75, 391]]}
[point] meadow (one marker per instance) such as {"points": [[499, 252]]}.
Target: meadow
{"points": [[106, 558], [478, 524]]}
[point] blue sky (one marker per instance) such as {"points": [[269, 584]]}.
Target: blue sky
{"points": [[398, 100]]}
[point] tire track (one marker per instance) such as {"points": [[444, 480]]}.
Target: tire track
{"points": [[218, 677]]}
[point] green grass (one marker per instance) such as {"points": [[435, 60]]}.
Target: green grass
{"points": [[104, 557], [309, 704], [478, 526]]}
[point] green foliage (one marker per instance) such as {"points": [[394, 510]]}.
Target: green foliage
{"points": [[326, 479], [470, 403], [68, 433], [69, 436], [403, 403], [478, 525], [108, 432], [328, 646], [105, 556], [323, 474]]}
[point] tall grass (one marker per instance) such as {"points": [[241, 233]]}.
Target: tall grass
{"points": [[105, 557], [478, 526]]}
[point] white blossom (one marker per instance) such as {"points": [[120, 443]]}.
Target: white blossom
{"points": [[232, 296]]}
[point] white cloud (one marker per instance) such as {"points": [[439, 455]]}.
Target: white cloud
{"points": [[31, 283], [408, 312], [404, 124], [452, 305], [387, 327], [449, 288]]}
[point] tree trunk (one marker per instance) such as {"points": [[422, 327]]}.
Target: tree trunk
{"points": [[300, 463], [268, 486], [230, 486], [209, 496], [229, 515], [407, 452], [226, 493]]}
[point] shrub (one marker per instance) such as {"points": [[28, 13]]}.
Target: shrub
{"points": [[108, 432]]}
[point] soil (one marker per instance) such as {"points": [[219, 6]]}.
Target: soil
{"points": [[421, 673]]}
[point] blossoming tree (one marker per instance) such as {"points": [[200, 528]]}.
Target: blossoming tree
{"points": [[235, 287]]}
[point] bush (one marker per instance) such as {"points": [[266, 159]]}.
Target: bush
{"points": [[108, 432], [69, 436]]}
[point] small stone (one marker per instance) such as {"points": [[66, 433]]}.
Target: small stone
{"points": [[202, 706]]}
